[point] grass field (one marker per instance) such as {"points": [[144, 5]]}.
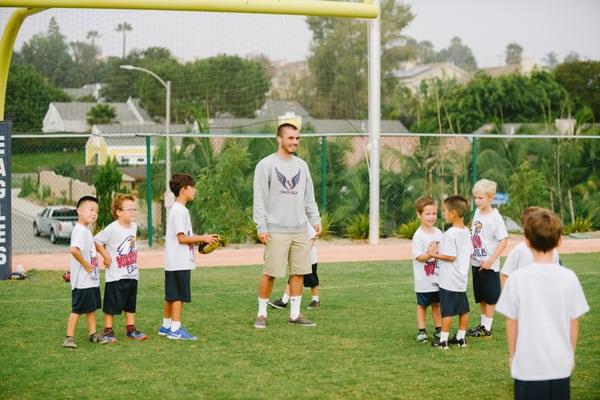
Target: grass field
{"points": [[362, 348], [32, 162]]}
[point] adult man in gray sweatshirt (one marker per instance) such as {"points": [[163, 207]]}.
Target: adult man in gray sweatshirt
{"points": [[283, 200]]}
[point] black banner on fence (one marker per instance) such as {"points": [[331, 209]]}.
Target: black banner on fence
{"points": [[5, 194]]}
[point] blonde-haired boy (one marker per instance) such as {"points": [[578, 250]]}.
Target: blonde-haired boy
{"points": [[489, 238]]}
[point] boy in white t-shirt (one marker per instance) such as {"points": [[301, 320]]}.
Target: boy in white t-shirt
{"points": [[520, 255], [454, 256], [489, 236], [310, 280], [426, 240], [85, 279], [117, 245], [542, 295], [180, 257]]}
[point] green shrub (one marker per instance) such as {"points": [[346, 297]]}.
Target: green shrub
{"points": [[326, 224], [407, 230], [27, 187], [358, 227], [581, 224]]}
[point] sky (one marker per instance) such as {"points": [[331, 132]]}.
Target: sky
{"points": [[539, 26]]}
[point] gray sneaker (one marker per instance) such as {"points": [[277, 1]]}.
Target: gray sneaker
{"points": [[69, 343], [422, 337], [314, 305], [100, 339], [301, 320], [261, 322]]}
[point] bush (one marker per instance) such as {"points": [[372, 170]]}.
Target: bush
{"points": [[27, 187], [581, 224], [327, 226], [358, 227], [407, 230]]}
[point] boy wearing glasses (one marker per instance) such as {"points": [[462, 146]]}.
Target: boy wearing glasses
{"points": [[117, 245]]}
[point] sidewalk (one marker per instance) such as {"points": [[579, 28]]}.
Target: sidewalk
{"points": [[336, 251]]}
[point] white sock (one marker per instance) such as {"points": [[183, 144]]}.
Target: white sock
{"points": [[295, 306], [487, 323], [175, 325], [167, 322], [444, 336], [460, 334], [315, 298], [483, 317], [262, 307], [285, 298]]}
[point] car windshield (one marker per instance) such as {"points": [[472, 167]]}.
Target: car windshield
{"points": [[65, 212]]}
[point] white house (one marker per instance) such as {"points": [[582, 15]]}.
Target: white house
{"points": [[412, 75], [72, 116]]}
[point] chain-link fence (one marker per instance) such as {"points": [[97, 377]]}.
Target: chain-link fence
{"points": [[562, 174]]}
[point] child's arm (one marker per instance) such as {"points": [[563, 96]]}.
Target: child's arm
{"points": [[76, 253], [432, 249], [442, 257], [182, 238], [105, 256], [487, 264], [511, 336], [574, 333]]}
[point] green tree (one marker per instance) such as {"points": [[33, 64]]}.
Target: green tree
{"points": [[581, 79], [514, 52], [101, 114], [107, 183], [27, 97], [551, 60], [458, 54], [573, 56], [527, 187], [124, 27]]}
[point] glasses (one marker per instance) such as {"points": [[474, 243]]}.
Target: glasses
{"points": [[129, 209]]}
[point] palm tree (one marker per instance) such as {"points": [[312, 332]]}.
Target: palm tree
{"points": [[93, 35], [124, 27]]}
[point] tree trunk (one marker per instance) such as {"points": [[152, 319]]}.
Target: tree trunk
{"points": [[571, 208]]}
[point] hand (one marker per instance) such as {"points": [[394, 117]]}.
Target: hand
{"points": [[485, 265], [318, 229], [210, 239], [433, 248], [107, 261], [264, 238], [88, 267]]}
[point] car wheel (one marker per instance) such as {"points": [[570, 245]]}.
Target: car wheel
{"points": [[52, 236], [36, 231]]}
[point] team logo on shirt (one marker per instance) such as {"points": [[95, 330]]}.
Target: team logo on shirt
{"points": [[430, 267], [479, 250], [288, 184], [127, 254]]}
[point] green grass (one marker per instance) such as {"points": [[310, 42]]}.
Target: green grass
{"points": [[26, 162], [363, 347]]}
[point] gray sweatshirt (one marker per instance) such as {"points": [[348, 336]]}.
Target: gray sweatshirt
{"points": [[284, 196]]}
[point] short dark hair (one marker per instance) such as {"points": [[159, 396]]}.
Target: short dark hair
{"points": [[528, 211], [179, 181], [457, 203], [543, 230], [423, 202], [86, 198], [280, 128]]}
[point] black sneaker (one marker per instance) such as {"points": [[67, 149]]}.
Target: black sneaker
{"points": [[314, 305], [474, 332], [453, 340], [278, 304], [461, 342], [440, 345], [481, 332]]}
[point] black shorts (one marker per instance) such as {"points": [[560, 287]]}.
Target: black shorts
{"points": [[310, 280], [555, 389], [177, 286], [486, 285], [85, 301], [453, 303], [120, 296], [425, 299]]}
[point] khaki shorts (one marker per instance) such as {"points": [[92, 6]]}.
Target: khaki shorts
{"points": [[287, 252]]}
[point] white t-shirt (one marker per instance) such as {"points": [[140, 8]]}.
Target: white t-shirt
{"points": [[312, 234], [454, 275], [179, 256], [486, 231], [425, 273], [543, 298], [120, 242], [521, 256], [81, 237]]}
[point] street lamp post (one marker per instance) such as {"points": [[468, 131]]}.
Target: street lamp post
{"points": [[168, 195]]}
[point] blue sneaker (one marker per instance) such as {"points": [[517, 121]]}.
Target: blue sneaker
{"points": [[163, 331], [180, 334]]}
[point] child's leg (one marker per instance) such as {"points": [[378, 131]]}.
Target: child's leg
{"points": [[314, 291], [463, 321], [421, 317], [446, 325], [72, 324], [129, 318], [436, 314], [287, 290], [91, 322], [108, 321]]}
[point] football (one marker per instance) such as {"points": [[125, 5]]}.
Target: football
{"points": [[205, 248], [67, 277]]}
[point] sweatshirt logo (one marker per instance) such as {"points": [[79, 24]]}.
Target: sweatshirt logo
{"points": [[127, 254], [288, 185]]}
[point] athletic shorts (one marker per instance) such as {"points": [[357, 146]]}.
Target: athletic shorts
{"points": [[287, 249], [120, 296], [453, 303], [486, 285], [310, 280], [85, 301], [425, 299], [177, 286], [555, 389]]}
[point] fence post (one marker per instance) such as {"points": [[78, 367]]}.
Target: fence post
{"points": [[5, 201], [323, 173], [149, 188]]}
